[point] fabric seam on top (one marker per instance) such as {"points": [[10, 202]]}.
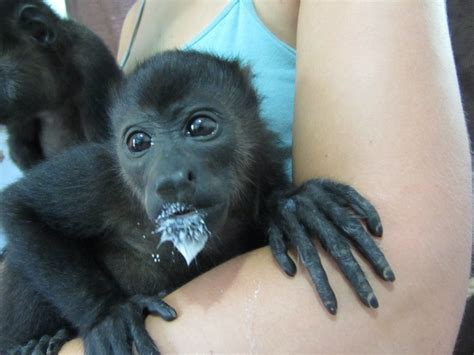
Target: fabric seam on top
{"points": [[225, 11], [250, 8]]}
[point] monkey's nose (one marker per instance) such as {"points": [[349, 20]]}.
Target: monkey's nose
{"points": [[177, 186]]}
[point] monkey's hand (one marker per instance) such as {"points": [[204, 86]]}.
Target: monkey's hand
{"points": [[124, 328], [333, 213]]}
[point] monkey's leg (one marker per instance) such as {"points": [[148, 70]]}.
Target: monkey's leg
{"points": [[331, 212]]}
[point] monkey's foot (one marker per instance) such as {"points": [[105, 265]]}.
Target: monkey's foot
{"points": [[332, 212], [46, 345]]}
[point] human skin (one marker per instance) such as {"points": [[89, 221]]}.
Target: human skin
{"points": [[377, 107]]}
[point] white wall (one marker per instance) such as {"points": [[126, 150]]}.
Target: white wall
{"points": [[59, 6]]}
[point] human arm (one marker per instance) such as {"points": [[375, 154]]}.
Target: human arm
{"points": [[388, 92]]}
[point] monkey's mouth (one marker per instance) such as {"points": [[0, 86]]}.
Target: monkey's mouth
{"points": [[176, 210], [184, 226]]}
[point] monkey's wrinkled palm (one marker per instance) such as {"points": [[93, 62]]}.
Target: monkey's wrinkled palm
{"points": [[332, 212]]}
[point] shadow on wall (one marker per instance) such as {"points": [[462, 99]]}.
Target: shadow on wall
{"points": [[104, 17], [461, 24]]}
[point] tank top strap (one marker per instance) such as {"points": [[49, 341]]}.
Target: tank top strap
{"points": [[214, 23], [249, 6]]}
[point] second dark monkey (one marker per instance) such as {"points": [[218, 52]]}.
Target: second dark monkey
{"points": [[55, 76]]}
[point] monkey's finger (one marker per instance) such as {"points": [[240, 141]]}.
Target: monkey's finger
{"points": [[28, 348], [95, 343], [309, 257], [141, 339], [57, 341], [156, 306], [41, 346], [110, 336], [359, 203], [122, 346], [362, 240], [337, 246], [279, 249]]}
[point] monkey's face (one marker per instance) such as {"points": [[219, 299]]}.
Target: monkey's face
{"points": [[26, 70], [182, 158], [182, 138], [179, 163]]}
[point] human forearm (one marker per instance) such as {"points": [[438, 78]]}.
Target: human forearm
{"points": [[378, 107], [248, 304]]}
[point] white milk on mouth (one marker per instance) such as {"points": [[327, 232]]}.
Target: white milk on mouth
{"points": [[189, 233]]}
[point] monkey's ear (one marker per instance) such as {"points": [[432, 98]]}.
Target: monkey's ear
{"points": [[248, 73], [38, 22]]}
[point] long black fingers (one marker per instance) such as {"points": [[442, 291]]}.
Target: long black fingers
{"points": [[317, 223], [309, 257], [279, 249], [141, 339], [357, 202], [353, 229], [155, 306]]}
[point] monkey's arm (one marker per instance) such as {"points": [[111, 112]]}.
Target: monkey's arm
{"points": [[65, 194], [52, 219]]}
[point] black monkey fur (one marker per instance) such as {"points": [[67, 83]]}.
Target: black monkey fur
{"points": [[54, 81], [82, 228]]}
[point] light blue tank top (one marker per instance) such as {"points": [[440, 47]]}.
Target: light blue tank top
{"points": [[238, 32]]}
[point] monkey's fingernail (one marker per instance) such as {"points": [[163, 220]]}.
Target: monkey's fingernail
{"points": [[388, 274], [167, 312], [172, 313], [379, 230], [331, 307], [289, 267], [372, 301]]}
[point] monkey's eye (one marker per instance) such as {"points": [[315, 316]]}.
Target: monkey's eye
{"points": [[201, 126], [138, 142]]}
